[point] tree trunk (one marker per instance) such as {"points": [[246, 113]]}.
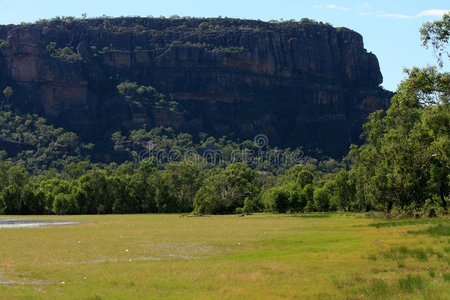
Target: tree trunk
{"points": [[442, 192]]}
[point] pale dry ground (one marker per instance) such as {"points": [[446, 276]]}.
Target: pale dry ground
{"points": [[226, 257]]}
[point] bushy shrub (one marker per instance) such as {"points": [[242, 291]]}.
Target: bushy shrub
{"points": [[321, 199], [65, 54], [280, 198]]}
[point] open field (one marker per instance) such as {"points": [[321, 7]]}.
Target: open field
{"points": [[259, 256]]}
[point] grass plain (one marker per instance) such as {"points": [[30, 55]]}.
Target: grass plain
{"points": [[310, 256]]}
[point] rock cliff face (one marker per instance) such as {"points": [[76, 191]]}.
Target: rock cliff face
{"points": [[302, 83]]}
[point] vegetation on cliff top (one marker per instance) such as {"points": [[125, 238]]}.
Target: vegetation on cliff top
{"points": [[185, 22]]}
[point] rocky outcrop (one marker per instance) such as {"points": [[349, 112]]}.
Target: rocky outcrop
{"points": [[300, 83], [56, 87]]}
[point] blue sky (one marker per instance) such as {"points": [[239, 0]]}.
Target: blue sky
{"points": [[390, 28]]}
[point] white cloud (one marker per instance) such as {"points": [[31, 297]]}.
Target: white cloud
{"points": [[334, 6], [433, 12], [366, 10], [331, 6], [425, 13], [398, 16]]}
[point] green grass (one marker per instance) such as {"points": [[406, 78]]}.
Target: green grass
{"points": [[324, 256]]}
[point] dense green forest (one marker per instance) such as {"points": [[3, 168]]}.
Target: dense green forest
{"points": [[402, 169]]}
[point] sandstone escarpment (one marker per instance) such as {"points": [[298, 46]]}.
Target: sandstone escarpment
{"points": [[301, 83], [55, 86]]}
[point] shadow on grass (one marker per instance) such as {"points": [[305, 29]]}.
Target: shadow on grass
{"points": [[399, 254], [312, 215], [437, 230], [377, 288], [406, 222], [358, 286]]}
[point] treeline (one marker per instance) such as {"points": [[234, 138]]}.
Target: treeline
{"points": [[181, 187], [174, 22], [184, 187], [82, 188]]}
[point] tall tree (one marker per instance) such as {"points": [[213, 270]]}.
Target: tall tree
{"points": [[405, 161]]}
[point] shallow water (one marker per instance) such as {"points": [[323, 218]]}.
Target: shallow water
{"points": [[3, 279], [13, 223]]}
